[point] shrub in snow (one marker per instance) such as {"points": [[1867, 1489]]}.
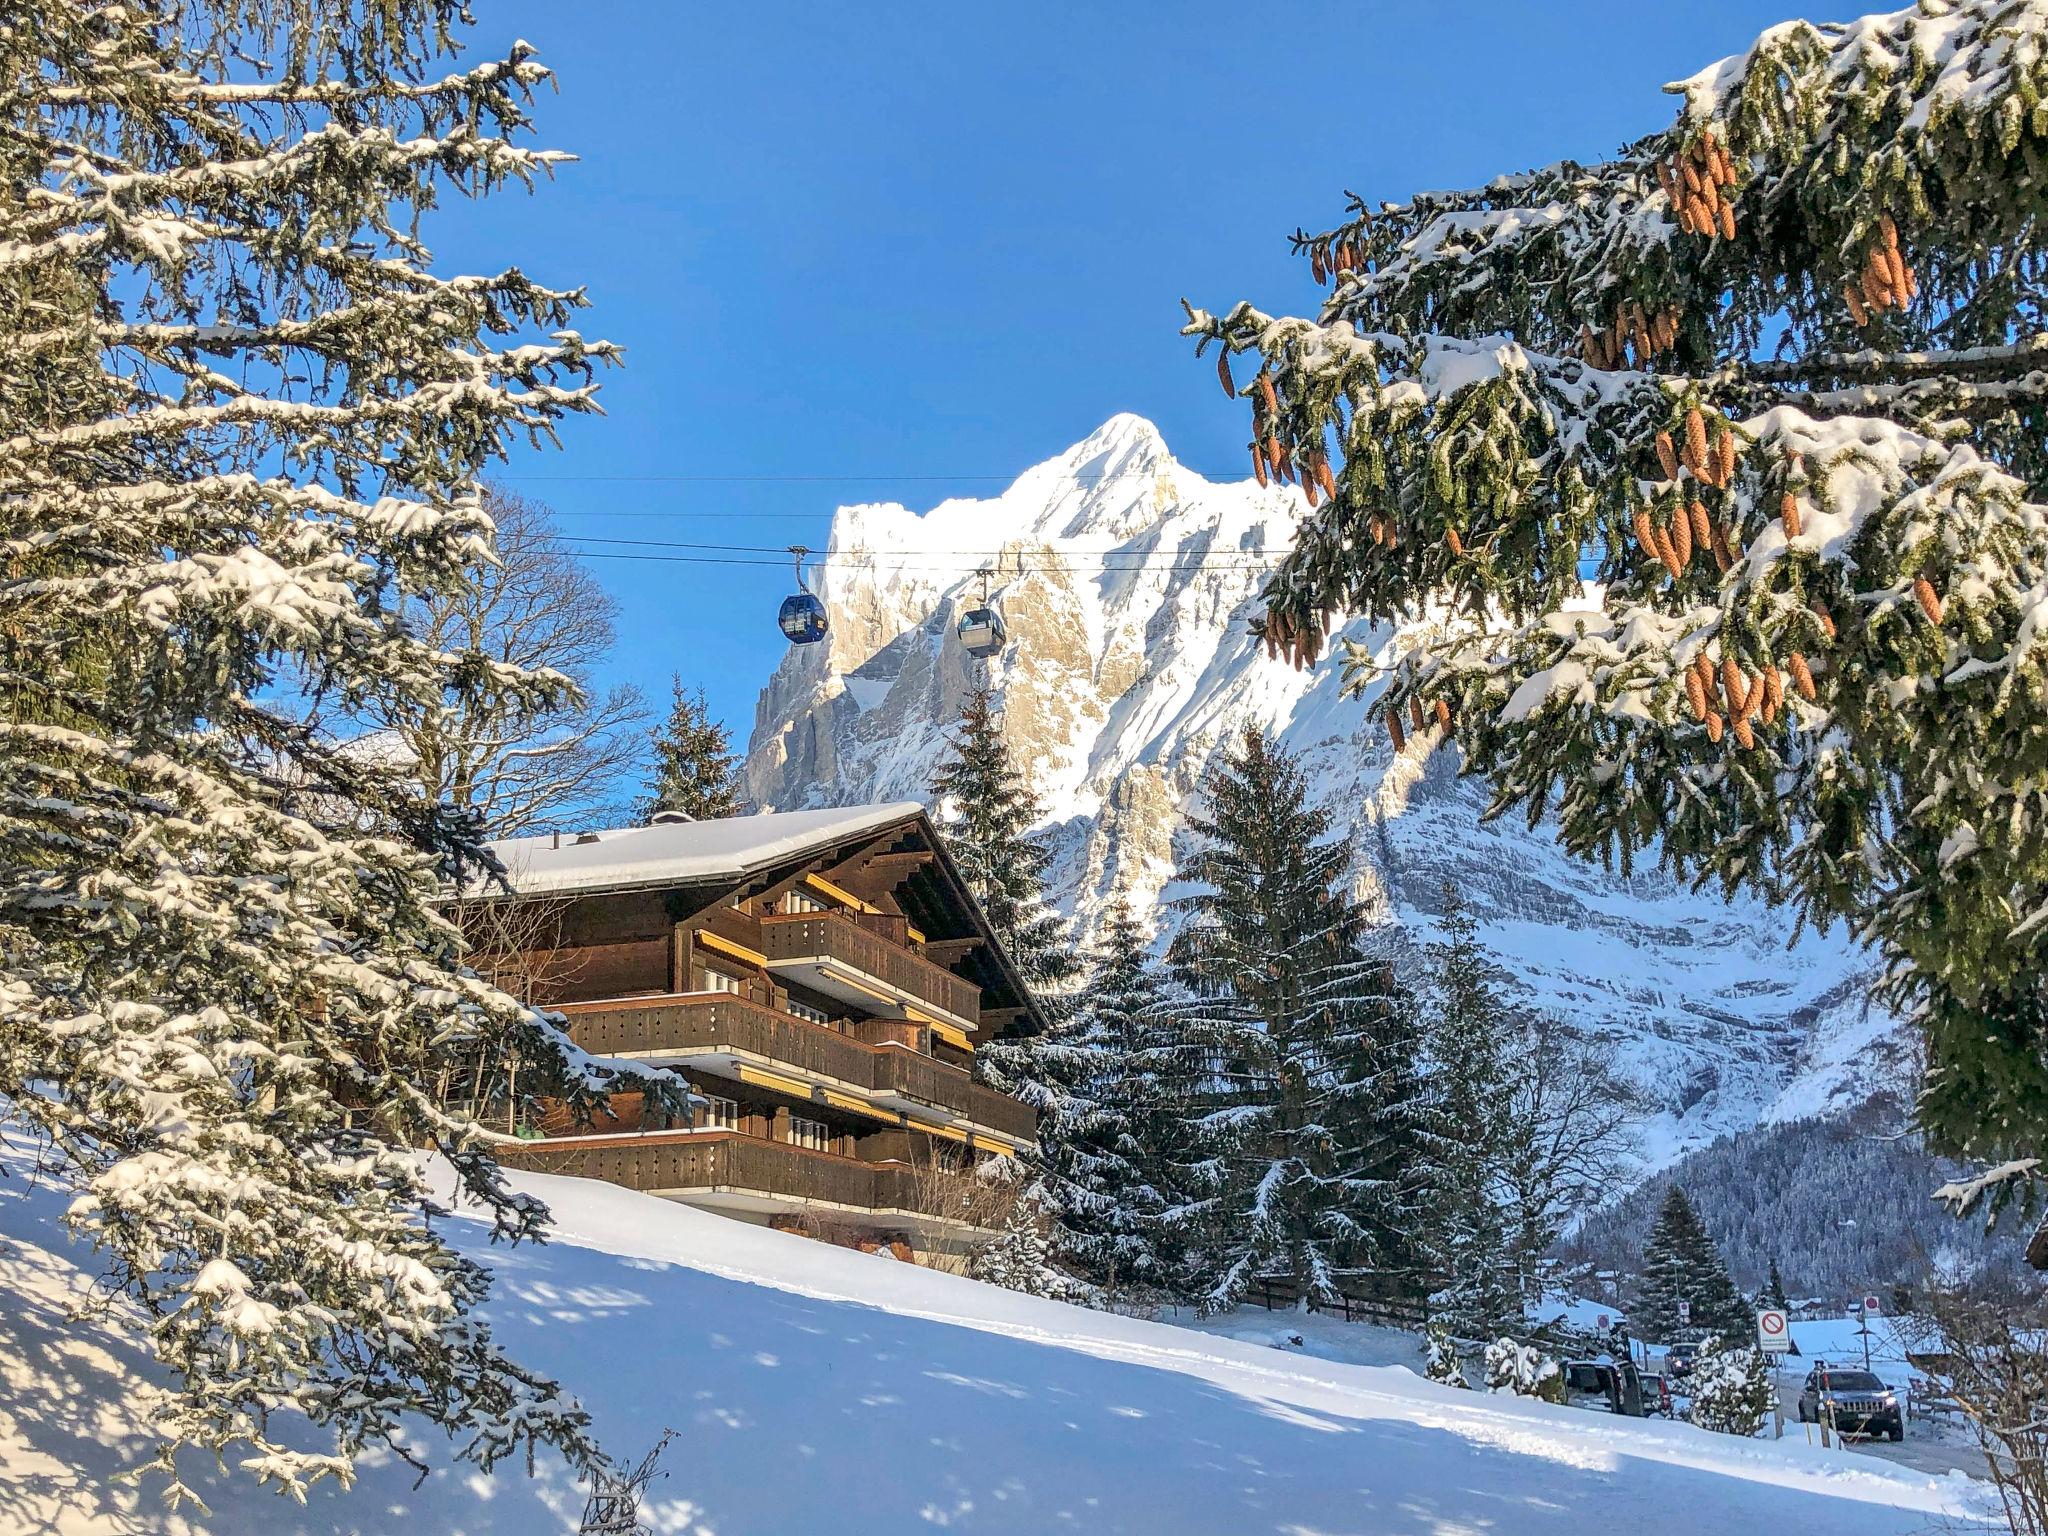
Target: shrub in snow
{"points": [[1440, 1357], [1732, 1390], [1524, 1370]]}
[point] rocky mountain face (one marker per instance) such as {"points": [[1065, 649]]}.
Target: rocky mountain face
{"points": [[1127, 582]]}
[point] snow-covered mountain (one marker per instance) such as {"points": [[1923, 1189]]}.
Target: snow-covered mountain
{"points": [[1127, 581]]}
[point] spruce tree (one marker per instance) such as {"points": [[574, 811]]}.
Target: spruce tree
{"points": [[1774, 1291], [985, 809], [1103, 1142], [695, 770], [1733, 1392], [1309, 1056], [1773, 369], [1681, 1264], [1464, 1134], [1021, 1256], [242, 423]]}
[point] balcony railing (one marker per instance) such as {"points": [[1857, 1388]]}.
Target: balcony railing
{"points": [[705, 1024], [806, 936], [730, 1164]]}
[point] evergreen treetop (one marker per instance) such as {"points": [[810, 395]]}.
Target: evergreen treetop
{"points": [[1681, 1264], [1308, 1070], [695, 770], [1775, 370], [985, 809]]}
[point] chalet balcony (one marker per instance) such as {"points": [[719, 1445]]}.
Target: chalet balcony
{"points": [[745, 1174], [730, 1037], [836, 956]]}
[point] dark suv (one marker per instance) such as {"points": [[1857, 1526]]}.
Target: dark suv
{"points": [[1855, 1401]]}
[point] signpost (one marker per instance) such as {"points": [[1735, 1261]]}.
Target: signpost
{"points": [[1774, 1338], [1684, 1312], [1773, 1333]]}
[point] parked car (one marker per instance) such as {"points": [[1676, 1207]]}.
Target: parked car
{"points": [[1855, 1402], [1678, 1359], [1614, 1385], [1656, 1393]]}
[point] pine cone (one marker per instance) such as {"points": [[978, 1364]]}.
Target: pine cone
{"points": [[1696, 442], [1901, 286], [1857, 312], [1668, 552], [1259, 464], [1415, 714], [1451, 538], [1744, 737], [1930, 604], [1889, 230], [1802, 677], [1311, 491], [1443, 716], [1646, 536], [1315, 265], [1275, 460], [1702, 527], [1774, 691], [1693, 181], [1681, 537], [1876, 283], [1724, 454], [1714, 725], [1326, 477], [1667, 456], [1788, 514], [1727, 221], [1394, 729], [1827, 620], [1695, 695], [1223, 374], [1733, 687], [1265, 382]]}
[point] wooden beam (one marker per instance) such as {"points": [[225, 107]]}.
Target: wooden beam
{"points": [[949, 951]]}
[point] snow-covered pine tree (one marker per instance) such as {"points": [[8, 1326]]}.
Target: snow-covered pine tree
{"points": [[1308, 1103], [1774, 1291], [1102, 1142], [1732, 1390], [1775, 371], [1440, 1362], [1463, 1133], [1681, 1263], [241, 423], [1524, 1370], [695, 769], [1021, 1256], [985, 808]]}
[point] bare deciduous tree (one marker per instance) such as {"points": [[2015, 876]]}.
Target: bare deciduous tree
{"points": [[518, 764], [1569, 1133], [1992, 1359]]}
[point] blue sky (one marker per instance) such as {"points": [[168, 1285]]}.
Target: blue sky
{"points": [[900, 253]]}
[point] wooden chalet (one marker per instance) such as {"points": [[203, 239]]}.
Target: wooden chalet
{"points": [[822, 978]]}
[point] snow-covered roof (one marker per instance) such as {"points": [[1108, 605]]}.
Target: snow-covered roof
{"points": [[684, 852]]}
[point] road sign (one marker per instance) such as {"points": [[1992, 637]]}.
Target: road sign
{"points": [[1872, 1305], [1601, 1322], [1773, 1332], [1684, 1313]]}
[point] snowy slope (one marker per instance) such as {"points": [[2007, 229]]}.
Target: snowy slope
{"points": [[1127, 581], [821, 1390]]}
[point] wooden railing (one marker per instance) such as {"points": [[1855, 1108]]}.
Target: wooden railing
{"points": [[710, 1022], [797, 936], [725, 1161]]}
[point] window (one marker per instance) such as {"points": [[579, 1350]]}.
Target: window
{"points": [[721, 981], [803, 901], [719, 1114], [814, 1134], [806, 1011]]}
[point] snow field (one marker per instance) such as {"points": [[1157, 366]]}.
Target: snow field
{"points": [[818, 1389]]}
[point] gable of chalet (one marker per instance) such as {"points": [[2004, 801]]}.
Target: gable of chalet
{"points": [[612, 891]]}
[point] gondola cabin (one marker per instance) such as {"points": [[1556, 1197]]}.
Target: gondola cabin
{"points": [[982, 633]]}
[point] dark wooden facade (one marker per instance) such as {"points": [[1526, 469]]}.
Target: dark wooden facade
{"points": [[826, 1005]]}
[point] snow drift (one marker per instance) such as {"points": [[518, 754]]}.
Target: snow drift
{"points": [[819, 1389]]}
